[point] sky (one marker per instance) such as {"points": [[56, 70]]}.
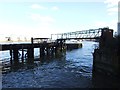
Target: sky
{"points": [[38, 18]]}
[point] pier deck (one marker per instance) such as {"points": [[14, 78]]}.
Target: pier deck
{"points": [[26, 46]]}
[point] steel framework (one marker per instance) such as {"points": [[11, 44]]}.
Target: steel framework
{"points": [[84, 34]]}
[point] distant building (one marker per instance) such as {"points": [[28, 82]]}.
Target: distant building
{"points": [[118, 28]]}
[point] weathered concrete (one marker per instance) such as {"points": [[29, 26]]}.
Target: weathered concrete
{"points": [[106, 57]]}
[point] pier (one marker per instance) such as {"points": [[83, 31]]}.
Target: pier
{"points": [[104, 61], [48, 47]]}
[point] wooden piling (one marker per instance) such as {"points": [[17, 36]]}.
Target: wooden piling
{"points": [[22, 54], [30, 53], [32, 40], [11, 54], [15, 55], [42, 53], [52, 50], [56, 49], [47, 51]]}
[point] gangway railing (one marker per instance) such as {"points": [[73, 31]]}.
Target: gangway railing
{"points": [[84, 34], [42, 40]]}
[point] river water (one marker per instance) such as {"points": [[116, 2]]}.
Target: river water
{"points": [[72, 69]]}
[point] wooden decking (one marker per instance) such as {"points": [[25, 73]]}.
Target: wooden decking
{"points": [[25, 46]]}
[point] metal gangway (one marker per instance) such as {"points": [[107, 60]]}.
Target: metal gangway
{"points": [[84, 34]]}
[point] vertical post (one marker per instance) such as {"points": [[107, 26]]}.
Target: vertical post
{"points": [[30, 53], [56, 47], [51, 36], [61, 44], [64, 46], [15, 55], [22, 54], [42, 53], [11, 56], [32, 40], [52, 50], [48, 51], [93, 68]]}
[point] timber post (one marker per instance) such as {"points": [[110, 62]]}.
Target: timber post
{"points": [[22, 54], [42, 53], [15, 55]]}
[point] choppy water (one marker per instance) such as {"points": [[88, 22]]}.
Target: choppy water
{"points": [[72, 69]]}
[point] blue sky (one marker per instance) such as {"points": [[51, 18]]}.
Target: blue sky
{"points": [[40, 19]]}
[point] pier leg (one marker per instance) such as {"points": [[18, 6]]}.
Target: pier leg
{"points": [[52, 50], [30, 57], [30, 53], [15, 55], [42, 53], [11, 56], [56, 49], [48, 51], [61, 48], [22, 55]]}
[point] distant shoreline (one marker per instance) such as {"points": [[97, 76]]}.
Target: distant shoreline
{"points": [[14, 41]]}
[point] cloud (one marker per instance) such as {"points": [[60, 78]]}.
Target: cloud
{"points": [[112, 6], [112, 11], [40, 18], [55, 8], [111, 3], [15, 30], [43, 27], [36, 6]]}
